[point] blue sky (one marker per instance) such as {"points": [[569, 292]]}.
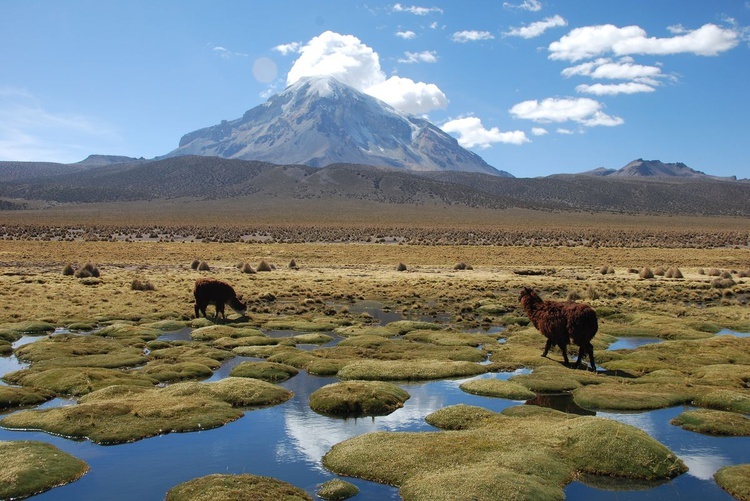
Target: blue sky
{"points": [[535, 87]]}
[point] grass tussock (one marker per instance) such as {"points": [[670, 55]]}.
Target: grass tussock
{"points": [[497, 388], [11, 396], [503, 456], [266, 371], [141, 285], [712, 422], [358, 398], [118, 414], [408, 370], [735, 480], [337, 489], [33, 467], [232, 487]]}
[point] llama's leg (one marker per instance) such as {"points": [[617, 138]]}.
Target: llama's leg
{"points": [[220, 310], [590, 351], [547, 347], [197, 310], [564, 349], [581, 351]]}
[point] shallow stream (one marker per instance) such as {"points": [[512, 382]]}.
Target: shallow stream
{"points": [[287, 442]]}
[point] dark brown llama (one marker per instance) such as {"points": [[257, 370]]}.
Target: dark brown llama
{"points": [[561, 323], [211, 291]]}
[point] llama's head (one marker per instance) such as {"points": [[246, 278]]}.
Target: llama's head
{"points": [[237, 305], [529, 295]]}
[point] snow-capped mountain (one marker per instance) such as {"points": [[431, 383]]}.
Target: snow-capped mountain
{"points": [[319, 121]]}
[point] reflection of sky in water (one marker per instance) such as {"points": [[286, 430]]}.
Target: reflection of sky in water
{"points": [[631, 343], [288, 441]]}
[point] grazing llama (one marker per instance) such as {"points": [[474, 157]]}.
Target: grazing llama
{"points": [[561, 323], [211, 291]]}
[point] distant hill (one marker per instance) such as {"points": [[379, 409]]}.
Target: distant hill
{"points": [[319, 121], [280, 185], [654, 169], [100, 160]]}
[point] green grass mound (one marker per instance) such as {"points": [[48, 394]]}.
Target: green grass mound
{"points": [[683, 356], [77, 381], [632, 397], [358, 398], [369, 341], [166, 325], [128, 331], [167, 371], [232, 487], [497, 388], [29, 327], [725, 400], [449, 338], [11, 396], [550, 379], [213, 332], [398, 349], [365, 330], [726, 375], [313, 338], [30, 468], [735, 480], [118, 414], [299, 325], [530, 455], [408, 370], [267, 371], [712, 422], [401, 327], [195, 353], [484, 482], [73, 350], [337, 489], [460, 417]]}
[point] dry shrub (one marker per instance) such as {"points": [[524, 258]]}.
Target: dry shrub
{"points": [[725, 274], [573, 296], [203, 266], [659, 271], [138, 285], [293, 264], [264, 266], [744, 274], [68, 270], [591, 293], [673, 272], [646, 273], [460, 266], [89, 270], [401, 267], [713, 272], [246, 268], [194, 265], [722, 283], [701, 271]]}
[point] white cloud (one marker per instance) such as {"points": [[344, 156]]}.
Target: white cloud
{"points": [[585, 111], [606, 68], [427, 56], [288, 48], [406, 35], [407, 95], [591, 41], [614, 89], [346, 58], [536, 29], [418, 11], [566, 132], [539, 131], [530, 5], [471, 36], [471, 133], [29, 132], [225, 53]]}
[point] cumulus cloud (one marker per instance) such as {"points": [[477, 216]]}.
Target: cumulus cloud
{"points": [[428, 56], [614, 89], [471, 36], [591, 41], [584, 111], [530, 5], [535, 29], [608, 69], [288, 48], [352, 62], [539, 131], [418, 11], [471, 133], [406, 35]]}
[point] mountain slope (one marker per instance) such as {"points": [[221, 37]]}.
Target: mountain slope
{"points": [[279, 186], [640, 168], [319, 121]]}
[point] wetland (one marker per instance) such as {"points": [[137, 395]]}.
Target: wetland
{"points": [[149, 398]]}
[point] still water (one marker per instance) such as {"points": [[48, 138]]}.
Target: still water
{"points": [[287, 442]]}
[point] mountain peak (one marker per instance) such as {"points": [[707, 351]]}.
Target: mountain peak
{"points": [[319, 121], [640, 168]]}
